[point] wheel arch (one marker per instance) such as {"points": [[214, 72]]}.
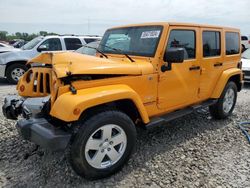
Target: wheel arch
{"points": [[120, 97], [235, 75], [23, 62]]}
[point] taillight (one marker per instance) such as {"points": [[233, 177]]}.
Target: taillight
{"points": [[249, 42]]}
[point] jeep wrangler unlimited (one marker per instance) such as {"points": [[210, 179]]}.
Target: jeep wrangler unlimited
{"points": [[145, 75]]}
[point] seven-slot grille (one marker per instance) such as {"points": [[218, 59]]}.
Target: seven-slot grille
{"points": [[36, 82]]}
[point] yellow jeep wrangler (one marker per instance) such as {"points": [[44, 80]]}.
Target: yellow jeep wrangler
{"points": [[145, 74]]}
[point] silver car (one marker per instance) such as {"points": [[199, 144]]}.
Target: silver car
{"points": [[12, 64]]}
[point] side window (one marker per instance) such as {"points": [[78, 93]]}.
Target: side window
{"points": [[88, 40], [72, 43], [183, 39], [232, 43], [211, 43], [53, 44], [244, 38]]}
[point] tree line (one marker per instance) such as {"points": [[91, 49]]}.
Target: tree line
{"points": [[5, 36]]}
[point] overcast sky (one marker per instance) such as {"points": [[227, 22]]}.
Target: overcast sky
{"points": [[94, 17]]}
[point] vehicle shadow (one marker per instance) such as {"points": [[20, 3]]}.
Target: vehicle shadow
{"points": [[246, 85], [4, 82]]}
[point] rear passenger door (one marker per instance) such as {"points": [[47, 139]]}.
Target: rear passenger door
{"points": [[211, 60], [72, 43], [179, 86]]}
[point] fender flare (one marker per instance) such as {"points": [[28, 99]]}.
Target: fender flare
{"points": [[221, 83], [64, 106]]}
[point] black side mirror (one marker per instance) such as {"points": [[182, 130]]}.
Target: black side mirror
{"points": [[172, 55], [42, 48]]}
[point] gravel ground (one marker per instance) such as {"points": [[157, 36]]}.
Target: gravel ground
{"points": [[193, 151]]}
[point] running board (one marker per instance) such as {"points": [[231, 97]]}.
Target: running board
{"points": [[177, 114]]}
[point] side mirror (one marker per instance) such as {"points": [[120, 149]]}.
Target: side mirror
{"points": [[42, 48], [172, 55]]}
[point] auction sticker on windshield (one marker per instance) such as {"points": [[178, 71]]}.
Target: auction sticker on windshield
{"points": [[150, 34]]}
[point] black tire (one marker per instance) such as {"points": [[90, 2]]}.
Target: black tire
{"points": [[10, 70], [76, 150], [217, 111]]}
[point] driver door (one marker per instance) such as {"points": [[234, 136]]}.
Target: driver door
{"points": [[179, 86]]}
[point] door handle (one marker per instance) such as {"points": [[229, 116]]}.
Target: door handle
{"points": [[218, 64], [194, 68]]}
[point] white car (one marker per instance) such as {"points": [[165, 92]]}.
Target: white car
{"points": [[245, 58], [89, 49], [245, 42], [6, 48], [12, 64]]}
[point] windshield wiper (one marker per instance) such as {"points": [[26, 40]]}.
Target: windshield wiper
{"points": [[118, 50], [96, 50]]}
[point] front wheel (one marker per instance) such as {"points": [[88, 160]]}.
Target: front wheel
{"points": [[226, 103], [15, 71], [102, 145]]}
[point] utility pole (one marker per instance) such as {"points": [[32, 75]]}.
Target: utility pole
{"points": [[88, 25]]}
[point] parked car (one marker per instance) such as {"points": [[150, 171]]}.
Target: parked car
{"points": [[12, 64], [19, 44], [245, 58], [6, 48], [11, 42], [89, 49], [245, 42], [92, 105], [2, 44]]}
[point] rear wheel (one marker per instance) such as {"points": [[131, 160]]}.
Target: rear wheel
{"points": [[226, 103], [15, 71], [102, 145]]}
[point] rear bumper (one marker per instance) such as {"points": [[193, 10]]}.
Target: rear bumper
{"points": [[41, 132]]}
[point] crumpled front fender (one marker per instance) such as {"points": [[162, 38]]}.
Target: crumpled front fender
{"points": [[69, 107]]}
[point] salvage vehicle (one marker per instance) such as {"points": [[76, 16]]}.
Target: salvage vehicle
{"points": [[245, 42], [90, 106], [13, 64], [245, 58]]}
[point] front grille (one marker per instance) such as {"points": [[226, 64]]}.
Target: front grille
{"points": [[36, 82], [246, 76], [246, 73]]}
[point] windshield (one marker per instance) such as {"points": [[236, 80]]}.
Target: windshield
{"points": [[246, 54], [139, 40], [31, 44]]}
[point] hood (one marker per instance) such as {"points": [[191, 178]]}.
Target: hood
{"points": [[245, 64], [15, 55], [78, 64], [8, 49]]}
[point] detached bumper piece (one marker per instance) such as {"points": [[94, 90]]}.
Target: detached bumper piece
{"points": [[42, 133]]}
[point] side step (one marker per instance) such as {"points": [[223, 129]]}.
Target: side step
{"points": [[177, 114]]}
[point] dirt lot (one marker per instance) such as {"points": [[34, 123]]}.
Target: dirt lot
{"points": [[194, 151]]}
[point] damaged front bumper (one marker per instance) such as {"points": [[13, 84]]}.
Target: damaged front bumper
{"points": [[42, 133], [34, 127]]}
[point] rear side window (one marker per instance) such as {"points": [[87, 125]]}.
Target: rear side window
{"points": [[183, 39], [244, 38], [88, 40], [232, 43], [211, 43], [72, 43]]}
